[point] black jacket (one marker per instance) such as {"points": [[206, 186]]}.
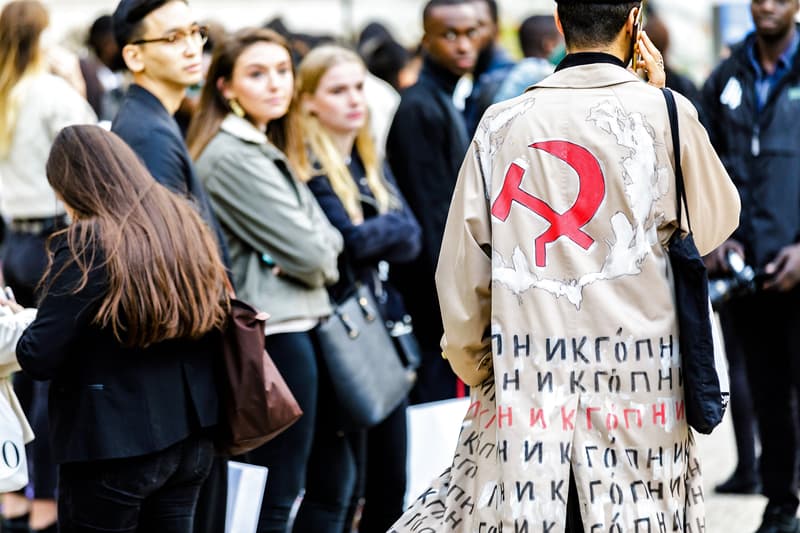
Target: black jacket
{"points": [[760, 150], [107, 401], [147, 127], [393, 237], [425, 148]]}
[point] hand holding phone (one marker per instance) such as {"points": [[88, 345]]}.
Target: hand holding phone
{"points": [[7, 300], [637, 26]]}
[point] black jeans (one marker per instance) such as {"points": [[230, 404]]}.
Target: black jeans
{"points": [[767, 325], [155, 492], [741, 403], [383, 467], [311, 454]]}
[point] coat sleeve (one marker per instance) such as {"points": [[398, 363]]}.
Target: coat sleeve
{"points": [[62, 318], [464, 276], [392, 236], [422, 171], [11, 327], [69, 108], [712, 198], [254, 200]]}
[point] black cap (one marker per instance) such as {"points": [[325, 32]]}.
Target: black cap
{"points": [[129, 14]]}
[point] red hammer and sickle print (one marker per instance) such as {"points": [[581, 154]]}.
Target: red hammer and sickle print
{"points": [[568, 224]]}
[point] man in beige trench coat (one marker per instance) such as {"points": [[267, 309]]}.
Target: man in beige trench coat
{"points": [[557, 300]]}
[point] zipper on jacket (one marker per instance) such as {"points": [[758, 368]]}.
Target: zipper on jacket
{"points": [[755, 143]]}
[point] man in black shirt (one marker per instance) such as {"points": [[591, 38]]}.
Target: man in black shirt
{"points": [[752, 106], [425, 148], [162, 45]]}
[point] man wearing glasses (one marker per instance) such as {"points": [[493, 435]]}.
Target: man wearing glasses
{"points": [[162, 45]]}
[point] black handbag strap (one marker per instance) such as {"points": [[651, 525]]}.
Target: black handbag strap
{"points": [[680, 188]]}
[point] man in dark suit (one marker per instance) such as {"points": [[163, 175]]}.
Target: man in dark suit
{"points": [[425, 147], [162, 45]]}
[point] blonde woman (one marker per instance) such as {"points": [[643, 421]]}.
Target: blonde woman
{"points": [[338, 159], [283, 252], [34, 106]]}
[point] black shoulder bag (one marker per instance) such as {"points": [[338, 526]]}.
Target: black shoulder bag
{"points": [[369, 378], [705, 403]]}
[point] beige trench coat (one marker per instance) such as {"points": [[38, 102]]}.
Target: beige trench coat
{"points": [[558, 309]]}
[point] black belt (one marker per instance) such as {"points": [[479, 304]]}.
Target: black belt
{"points": [[39, 225]]}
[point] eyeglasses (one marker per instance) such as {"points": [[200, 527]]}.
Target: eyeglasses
{"points": [[195, 34]]}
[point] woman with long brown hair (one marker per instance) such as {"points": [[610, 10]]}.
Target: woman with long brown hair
{"points": [[34, 105], [127, 330], [284, 252]]}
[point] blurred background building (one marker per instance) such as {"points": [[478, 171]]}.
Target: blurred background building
{"points": [[701, 28]]}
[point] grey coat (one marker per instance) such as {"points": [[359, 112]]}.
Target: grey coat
{"points": [[269, 219]]}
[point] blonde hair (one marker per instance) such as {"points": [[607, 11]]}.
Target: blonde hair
{"points": [[316, 139], [21, 25]]}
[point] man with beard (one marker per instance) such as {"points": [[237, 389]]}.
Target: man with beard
{"points": [[752, 103]]}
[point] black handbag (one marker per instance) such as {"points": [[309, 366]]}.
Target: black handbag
{"points": [[398, 321], [368, 376], [705, 403]]}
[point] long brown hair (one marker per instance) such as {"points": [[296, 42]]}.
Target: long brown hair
{"points": [[213, 107], [316, 139], [21, 25], [165, 277]]}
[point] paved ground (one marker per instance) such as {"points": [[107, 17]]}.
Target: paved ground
{"points": [[726, 514]]}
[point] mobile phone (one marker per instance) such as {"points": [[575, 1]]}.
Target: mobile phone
{"points": [[9, 294], [638, 25]]}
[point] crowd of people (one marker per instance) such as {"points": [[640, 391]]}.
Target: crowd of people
{"points": [[176, 163]]}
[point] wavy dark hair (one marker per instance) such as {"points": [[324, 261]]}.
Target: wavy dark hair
{"points": [[165, 277]]}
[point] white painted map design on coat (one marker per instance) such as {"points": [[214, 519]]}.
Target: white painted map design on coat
{"points": [[644, 183]]}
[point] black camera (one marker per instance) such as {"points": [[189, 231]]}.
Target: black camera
{"points": [[743, 280]]}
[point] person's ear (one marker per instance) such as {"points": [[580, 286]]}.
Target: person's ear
{"points": [[559, 27], [132, 55], [631, 21], [224, 89], [308, 105]]}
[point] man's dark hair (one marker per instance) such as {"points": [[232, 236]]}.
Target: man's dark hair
{"points": [[591, 24], [534, 32], [100, 30], [433, 4], [492, 10], [128, 18]]}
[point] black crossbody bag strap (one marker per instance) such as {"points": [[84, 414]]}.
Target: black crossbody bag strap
{"points": [[680, 187]]}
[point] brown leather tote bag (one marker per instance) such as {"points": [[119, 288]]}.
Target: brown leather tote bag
{"points": [[257, 403]]}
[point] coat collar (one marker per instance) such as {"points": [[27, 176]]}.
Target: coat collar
{"points": [[590, 70], [243, 129], [439, 75], [148, 100]]}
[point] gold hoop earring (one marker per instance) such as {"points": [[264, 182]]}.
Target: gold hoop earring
{"points": [[236, 108]]}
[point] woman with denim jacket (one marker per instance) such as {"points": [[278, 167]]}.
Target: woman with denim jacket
{"points": [[284, 253], [338, 160]]}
